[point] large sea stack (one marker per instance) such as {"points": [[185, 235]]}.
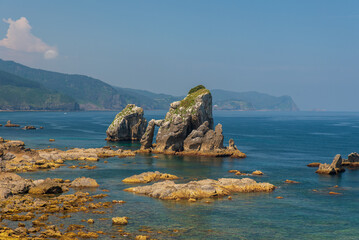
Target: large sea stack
{"points": [[188, 129], [128, 125]]}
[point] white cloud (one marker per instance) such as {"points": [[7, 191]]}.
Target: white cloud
{"points": [[20, 38]]}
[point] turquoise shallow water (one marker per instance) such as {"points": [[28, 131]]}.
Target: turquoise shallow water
{"points": [[279, 144]]}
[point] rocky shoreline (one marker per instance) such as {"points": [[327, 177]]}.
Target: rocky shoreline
{"points": [[31, 203]]}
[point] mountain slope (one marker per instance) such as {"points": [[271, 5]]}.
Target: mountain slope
{"points": [[89, 92], [93, 94], [17, 93], [147, 99], [228, 100]]}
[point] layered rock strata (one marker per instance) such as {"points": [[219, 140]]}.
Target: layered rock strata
{"points": [[128, 125]]}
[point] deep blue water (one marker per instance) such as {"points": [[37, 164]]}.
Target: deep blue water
{"points": [[278, 144]]}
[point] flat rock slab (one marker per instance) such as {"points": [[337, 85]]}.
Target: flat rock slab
{"points": [[147, 177], [169, 190]]}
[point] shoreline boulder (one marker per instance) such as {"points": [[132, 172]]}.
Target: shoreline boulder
{"points": [[353, 160], [128, 125]]}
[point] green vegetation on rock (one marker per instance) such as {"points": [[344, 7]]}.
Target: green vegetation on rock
{"points": [[196, 88], [186, 106], [126, 111]]}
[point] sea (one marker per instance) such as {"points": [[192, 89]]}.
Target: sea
{"points": [[280, 144]]}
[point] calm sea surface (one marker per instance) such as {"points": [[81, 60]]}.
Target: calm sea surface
{"points": [[278, 144]]}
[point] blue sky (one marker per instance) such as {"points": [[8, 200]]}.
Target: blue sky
{"points": [[305, 49]]}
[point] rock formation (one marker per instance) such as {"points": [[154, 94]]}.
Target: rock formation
{"points": [[9, 124], [188, 129], [84, 182], [147, 138], [334, 168], [183, 117], [204, 139], [169, 190], [353, 160], [147, 177], [129, 124]]}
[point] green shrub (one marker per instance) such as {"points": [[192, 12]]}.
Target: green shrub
{"points": [[195, 89]]}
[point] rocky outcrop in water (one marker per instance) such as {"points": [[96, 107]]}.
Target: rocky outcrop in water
{"points": [[353, 160], [169, 190], [188, 129], [10, 124], [183, 117], [147, 177], [13, 184], [334, 168], [204, 139], [128, 125]]}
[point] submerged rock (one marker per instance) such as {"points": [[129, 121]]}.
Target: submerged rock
{"points": [[129, 124], [147, 177], [334, 168], [29, 128], [314, 164], [207, 188]]}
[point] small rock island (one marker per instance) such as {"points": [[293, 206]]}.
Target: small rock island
{"points": [[129, 124], [186, 130]]}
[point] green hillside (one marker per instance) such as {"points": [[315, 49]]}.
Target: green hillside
{"points": [[147, 99], [40, 89], [17, 93], [90, 93], [228, 100]]}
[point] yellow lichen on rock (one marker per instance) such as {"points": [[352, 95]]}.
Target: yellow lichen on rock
{"points": [[168, 190], [147, 177], [120, 220]]}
